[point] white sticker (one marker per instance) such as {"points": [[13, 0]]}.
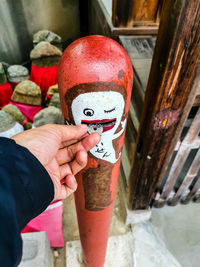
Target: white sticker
{"points": [[102, 112]]}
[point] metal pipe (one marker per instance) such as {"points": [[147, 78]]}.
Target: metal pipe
{"points": [[95, 81]]}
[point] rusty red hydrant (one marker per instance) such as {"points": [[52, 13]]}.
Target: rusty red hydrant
{"points": [[95, 79]]}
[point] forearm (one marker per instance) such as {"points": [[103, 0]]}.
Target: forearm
{"points": [[26, 190]]}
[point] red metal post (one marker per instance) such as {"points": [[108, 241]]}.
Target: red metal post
{"points": [[95, 80]]}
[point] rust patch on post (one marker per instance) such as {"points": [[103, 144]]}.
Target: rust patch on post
{"points": [[96, 184], [165, 118]]}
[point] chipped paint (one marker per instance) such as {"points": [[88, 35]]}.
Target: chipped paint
{"points": [[165, 118], [164, 122]]}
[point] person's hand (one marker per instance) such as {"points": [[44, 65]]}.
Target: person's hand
{"points": [[62, 150]]}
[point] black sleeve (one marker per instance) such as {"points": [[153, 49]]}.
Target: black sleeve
{"points": [[26, 190]]}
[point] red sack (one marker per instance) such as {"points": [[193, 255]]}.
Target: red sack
{"points": [[49, 221], [44, 77], [29, 111], [5, 94]]}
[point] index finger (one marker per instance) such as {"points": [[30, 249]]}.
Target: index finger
{"points": [[71, 132], [67, 154]]}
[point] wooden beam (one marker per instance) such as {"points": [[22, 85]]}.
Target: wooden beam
{"points": [[142, 30], [168, 92]]}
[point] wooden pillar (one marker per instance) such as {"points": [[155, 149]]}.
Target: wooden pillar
{"points": [[127, 12], [167, 96]]}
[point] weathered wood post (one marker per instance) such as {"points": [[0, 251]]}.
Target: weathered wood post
{"points": [[95, 82], [168, 97]]}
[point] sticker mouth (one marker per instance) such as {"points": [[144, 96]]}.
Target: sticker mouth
{"points": [[105, 125]]}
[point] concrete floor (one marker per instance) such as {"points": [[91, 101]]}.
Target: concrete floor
{"points": [[179, 228]]}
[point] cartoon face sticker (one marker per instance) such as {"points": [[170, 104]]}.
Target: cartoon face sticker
{"points": [[102, 112]]}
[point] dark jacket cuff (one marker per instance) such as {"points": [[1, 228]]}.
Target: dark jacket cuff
{"points": [[32, 186]]}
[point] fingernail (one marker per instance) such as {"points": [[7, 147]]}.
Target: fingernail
{"points": [[83, 136]]}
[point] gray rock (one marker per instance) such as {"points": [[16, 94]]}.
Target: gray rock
{"points": [[17, 73], [36, 250], [9, 127], [27, 92], [14, 112], [55, 101], [47, 36], [44, 49], [17, 128], [17, 115], [45, 55], [6, 121], [3, 78], [48, 115], [28, 126], [51, 91]]}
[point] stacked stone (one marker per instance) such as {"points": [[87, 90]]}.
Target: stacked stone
{"points": [[55, 101], [8, 126], [28, 98], [51, 91], [45, 55], [48, 115], [17, 115], [17, 74], [47, 36], [27, 92], [45, 58]]}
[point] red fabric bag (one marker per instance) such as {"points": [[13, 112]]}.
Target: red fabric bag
{"points": [[49, 221], [44, 77], [5, 94], [29, 111]]}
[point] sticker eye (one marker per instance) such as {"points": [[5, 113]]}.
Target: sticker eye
{"points": [[108, 111], [88, 112]]}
